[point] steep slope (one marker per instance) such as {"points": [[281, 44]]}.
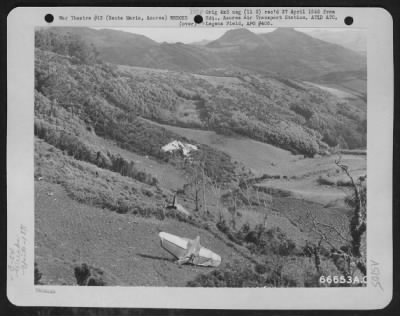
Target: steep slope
{"points": [[123, 247]]}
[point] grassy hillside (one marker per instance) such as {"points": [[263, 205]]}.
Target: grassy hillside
{"points": [[124, 248]]}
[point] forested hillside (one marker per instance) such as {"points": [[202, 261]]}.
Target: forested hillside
{"points": [[73, 94], [284, 112]]}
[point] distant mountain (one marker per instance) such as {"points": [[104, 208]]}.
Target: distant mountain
{"points": [[290, 53], [237, 37], [179, 57], [352, 39], [286, 52]]}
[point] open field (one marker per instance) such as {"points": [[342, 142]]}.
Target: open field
{"points": [[308, 189], [259, 157], [262, 157]]}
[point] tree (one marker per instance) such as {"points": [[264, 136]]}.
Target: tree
{"points": [[358, 222], [67, 44], [195, 166], [233, 209], [345, 239]]}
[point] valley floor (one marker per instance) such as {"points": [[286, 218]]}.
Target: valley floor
{"points": [[298, 175]]}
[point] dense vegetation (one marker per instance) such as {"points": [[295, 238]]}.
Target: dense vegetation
{"points": [[286, 113], [293, 271], [80, 150], [70, 96], [285, 263], [69, 44]]}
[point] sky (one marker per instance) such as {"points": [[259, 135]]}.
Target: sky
{"points": [[190, 35]]}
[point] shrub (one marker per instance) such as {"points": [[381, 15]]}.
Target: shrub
{"points": [[85, 275], [82, 273], [322, 180], [224, 228], [272, 241], [122, 207], [147, 192], [302, 110], [230, 276], [344, 183], [38, 275], [260, 268], [276, 272]]}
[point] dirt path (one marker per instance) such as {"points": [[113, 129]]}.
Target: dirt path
{"points": [[124, 247]]}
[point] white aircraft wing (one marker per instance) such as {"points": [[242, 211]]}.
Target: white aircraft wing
{"points": [[177, 246]]}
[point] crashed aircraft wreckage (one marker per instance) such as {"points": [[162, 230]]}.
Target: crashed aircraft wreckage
{"points": [[176, 145], [189, 251]]}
